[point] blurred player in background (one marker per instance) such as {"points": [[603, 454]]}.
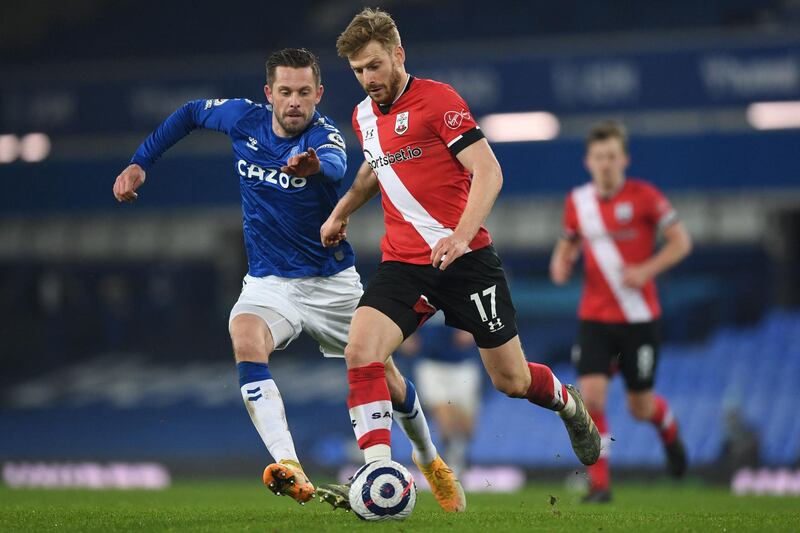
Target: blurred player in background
{"points": [[289, 161], [615, 221], [438, 180], [449, 378]]}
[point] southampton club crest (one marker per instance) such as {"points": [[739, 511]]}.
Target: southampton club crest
{"points": [[401, 123], [623, 212]]}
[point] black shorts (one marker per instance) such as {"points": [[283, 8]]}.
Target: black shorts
{"points": [[472, 292], [630, 348]]}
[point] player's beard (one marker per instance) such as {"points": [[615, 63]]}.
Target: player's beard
{"points": [[392, 89], [292, 128]]}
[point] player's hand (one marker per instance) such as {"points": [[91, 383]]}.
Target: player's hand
{"points": [[635, 276], [127, 182], [447, 250], [303, 165], [333, 231]]}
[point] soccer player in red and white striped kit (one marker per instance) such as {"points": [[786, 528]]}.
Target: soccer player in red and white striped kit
{"points": [[615, 221], [438, 180]]}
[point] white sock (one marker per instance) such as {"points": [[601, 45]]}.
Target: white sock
{"points": [[569, 409], [377, 452], [412, 421], [456, 451], [265, 406]]}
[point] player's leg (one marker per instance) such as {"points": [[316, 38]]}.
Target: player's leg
{"points": [[638, 363], [255, 332], [373, 337], [475, 297], [409, 413], [329, 308], [593, 356], [391, 309], [514, 376]]}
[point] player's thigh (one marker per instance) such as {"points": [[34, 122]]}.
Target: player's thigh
{"points": [[373, 337], [639, 355], [596, 349], [328, 304], [474, 296], [262, 320], [403, 292]]}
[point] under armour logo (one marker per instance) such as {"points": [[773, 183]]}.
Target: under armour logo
{"points": [[495, 325]]}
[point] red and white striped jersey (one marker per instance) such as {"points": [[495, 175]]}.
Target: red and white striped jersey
{"points": [[411, 146], [616, 232]]}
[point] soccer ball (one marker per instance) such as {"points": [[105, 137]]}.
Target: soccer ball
{"points": [[383, 490]]}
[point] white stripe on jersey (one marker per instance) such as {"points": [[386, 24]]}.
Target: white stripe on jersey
{"points": [[363, 423], [607, 255], [410, 209]]}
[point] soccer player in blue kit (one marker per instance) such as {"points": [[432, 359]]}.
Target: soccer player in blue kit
{"points": [[289, 161]]}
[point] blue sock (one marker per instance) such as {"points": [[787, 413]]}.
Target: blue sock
{"points": [[250, 372], [411, 397]]}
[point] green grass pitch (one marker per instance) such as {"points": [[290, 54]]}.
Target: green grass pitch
{"points": [[247, 506]]}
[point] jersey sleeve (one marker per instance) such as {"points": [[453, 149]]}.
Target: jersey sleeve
{"points": [[329, 144], [571, 229], [218, 115], [451, 119], [658, 209]]}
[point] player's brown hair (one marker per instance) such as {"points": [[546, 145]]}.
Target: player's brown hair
{"points": [[608, 129], [294, 58], [369, 25]]}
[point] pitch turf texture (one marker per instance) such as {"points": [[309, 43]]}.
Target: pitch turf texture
{"points": [[247, 506]]}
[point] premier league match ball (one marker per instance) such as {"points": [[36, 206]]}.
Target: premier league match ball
{"points": [[383, 490]]}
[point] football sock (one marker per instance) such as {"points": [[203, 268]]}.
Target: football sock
{"points": [[265, 406], [599, 473], [548, 392], [664, 421], [412, 421], [456, 449], [371, 410]]}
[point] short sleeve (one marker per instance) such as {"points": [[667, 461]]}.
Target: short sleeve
{"points": [[452, 120], [658, 209], [571, 229]]}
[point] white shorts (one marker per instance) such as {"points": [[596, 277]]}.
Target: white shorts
{"points": [[457, 384], [320, 306]]}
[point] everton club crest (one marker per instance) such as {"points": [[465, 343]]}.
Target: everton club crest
{"points": [[401, 123]]}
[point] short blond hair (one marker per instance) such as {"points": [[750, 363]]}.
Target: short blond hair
{"points": [[369, 25]]}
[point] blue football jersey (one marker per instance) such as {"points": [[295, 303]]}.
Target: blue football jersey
{"points": [[282, 214]]}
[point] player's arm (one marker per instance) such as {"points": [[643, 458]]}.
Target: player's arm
{"points": [[210, 114], [364, 188], [565, 255], [567, 249], [677, 245], [326, 160], [487, 180]]}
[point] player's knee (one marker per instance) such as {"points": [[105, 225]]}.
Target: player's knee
{"points": [[358, 354], [592, 403], [248, 346], [639, 410]]}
